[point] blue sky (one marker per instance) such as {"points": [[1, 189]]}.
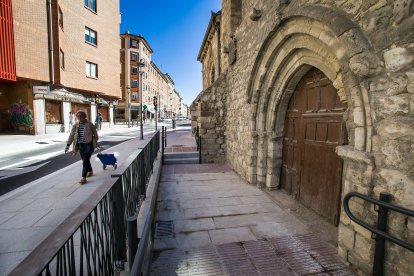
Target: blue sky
{"points": [[174, 30]]}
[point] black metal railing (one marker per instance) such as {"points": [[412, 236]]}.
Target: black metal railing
{"points": [[380, 230], [92, 240], [198, 142]]}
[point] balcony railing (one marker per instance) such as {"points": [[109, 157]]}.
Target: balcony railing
{"points": [[92, 240]]}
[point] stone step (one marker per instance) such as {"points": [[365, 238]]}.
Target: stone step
{"points": [[181, 161], [178, 155]]}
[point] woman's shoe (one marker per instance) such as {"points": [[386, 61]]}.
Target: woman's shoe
{"points": [[83, 181], [89, 174]]}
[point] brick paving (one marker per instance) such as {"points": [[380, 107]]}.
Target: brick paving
{"points": [[289, 255]]}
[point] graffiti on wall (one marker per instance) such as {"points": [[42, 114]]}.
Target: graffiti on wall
{"points": [[21, 115]]}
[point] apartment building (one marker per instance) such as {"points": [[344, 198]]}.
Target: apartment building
{"points": [[136, 60], [62, 56]]}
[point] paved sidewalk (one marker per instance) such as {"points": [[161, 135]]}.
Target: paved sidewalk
{"points": [[222, 226], [30, 213], [210, 222]]}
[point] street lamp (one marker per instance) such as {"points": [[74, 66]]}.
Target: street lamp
{"points": [[141, 64], [128, 88]]}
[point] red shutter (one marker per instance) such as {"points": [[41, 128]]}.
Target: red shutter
{"points": [[7, 56]]}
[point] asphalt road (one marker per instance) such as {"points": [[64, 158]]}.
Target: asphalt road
{"points": [[24, 168]]}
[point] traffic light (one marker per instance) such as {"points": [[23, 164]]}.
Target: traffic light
{"points": [[155, 101]]}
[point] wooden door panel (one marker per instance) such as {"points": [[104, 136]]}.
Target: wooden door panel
{"points": [[319, 188], [311, 169]]}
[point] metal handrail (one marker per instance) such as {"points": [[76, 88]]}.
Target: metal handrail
{"points": [[99, 222], [383, 234], [381, 229]]}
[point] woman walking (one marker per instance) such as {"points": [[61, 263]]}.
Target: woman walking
{"points": [[85, 139]]}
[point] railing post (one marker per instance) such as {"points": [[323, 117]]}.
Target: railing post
{"points": [[165, 136], [132, 240], [162, 145], [118, 222], [143, 176], [197, 134], [380, 241], [199, 147]]}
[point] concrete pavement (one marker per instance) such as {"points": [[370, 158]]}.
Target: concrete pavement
{"points": [[211, 222]]}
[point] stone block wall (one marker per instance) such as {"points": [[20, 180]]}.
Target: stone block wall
{"points": [[366, 50], [208, 112]]}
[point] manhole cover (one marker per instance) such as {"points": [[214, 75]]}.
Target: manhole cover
{"points": [[177, 146], [42, 143], [164, 229]]}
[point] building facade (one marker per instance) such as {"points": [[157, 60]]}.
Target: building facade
{"points": [[315, 98], [66, 59], [135, 50]]}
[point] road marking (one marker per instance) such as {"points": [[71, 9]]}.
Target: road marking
{"points": [[19, 171], [45, 156], [4, 160], [15, 164], [32, 158]]}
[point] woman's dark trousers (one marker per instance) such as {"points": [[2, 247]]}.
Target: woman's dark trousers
{"points": [[86, 151]]}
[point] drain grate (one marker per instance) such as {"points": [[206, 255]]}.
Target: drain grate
{"points": [[164, 229]]}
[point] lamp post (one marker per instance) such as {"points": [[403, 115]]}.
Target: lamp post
{"points": [[141, 64], [128, 88]]}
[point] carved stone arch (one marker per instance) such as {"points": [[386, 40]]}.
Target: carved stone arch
{"points": [[285, 57], [294, 48]]}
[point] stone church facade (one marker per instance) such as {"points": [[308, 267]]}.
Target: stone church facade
{"points": [[316, 97]]}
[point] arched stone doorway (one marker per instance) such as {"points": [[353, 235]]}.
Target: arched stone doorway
{"points": [[314, 127]]}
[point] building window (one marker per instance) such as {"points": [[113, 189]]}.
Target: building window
{"points": [[134, 83], [134, 56], [134, 43], [91, 69], [134, 70], [60, 18], [62, 59], [90, 36], [134, 96], [90, 4]]}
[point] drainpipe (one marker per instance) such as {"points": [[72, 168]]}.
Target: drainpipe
{"points": [[51, 61], [217, 27], [50, 35]]}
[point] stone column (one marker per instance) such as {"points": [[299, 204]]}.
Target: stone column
{"points": [[274, 160], [66, 107], [261, 159], [111, 115], [355, 244], [39, 111], [92, 119], [251, 174]]}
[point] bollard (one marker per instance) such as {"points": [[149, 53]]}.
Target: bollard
{"points": [[380, 241], [162, 144], [132, 240]]}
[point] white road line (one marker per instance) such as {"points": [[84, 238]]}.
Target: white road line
{"points": [[45, 156], [15, 164], [4, 160]]}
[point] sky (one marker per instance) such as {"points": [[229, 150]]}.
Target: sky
{"points": [[175, 31]]}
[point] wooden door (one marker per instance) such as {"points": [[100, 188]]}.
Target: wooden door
{"points": [[314, 126]]}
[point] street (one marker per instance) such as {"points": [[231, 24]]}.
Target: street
{"points": [[22, 168]]}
